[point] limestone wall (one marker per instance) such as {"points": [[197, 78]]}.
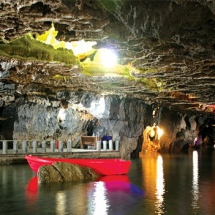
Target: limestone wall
{"points": [[122, 119]]}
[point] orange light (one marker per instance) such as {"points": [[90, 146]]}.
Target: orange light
{"points": [[160, 132]]}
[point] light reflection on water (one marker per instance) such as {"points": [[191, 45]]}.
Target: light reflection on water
{"points": [[60, 203], [108, 195], [98, 202], [156, 184], [195, 190], [160, 186]]}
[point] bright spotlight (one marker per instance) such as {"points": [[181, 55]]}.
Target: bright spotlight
{"points": [[160, 132], [108, 57]]}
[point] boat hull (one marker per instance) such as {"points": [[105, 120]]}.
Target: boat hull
{"points": [[100, 166]]}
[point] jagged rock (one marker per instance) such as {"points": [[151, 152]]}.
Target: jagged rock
{"points": [[60, 172], [127, 146], [168, 48], [169, 44]]}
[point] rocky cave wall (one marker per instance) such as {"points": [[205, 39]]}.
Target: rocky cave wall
{"points": [[125, 118], [167, 45]]}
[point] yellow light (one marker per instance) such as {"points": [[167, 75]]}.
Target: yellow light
{"points": [[160, 132], [108, 57], [80, 47]]}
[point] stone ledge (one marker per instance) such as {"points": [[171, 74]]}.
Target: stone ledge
{"points": [[19, 158]]}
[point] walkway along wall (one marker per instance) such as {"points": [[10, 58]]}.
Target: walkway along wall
{"points": [[15, 154]]}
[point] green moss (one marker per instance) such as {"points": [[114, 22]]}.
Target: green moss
{"points": [[152, 84], [112, 5], [95, 69], [28, 48], [108, 5], [61, 77]]}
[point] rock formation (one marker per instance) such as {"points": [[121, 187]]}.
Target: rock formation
{"points": [[61, 172], [165, 72], [169, 45]]}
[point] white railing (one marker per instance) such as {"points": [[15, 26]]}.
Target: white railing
{"points": [[47, 146], [29, 146]]}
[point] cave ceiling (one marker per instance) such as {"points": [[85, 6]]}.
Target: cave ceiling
{"points": [[167, 47]]}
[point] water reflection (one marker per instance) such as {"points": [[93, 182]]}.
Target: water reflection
{"points": [[160, 187], [60, 203], [109, 193], [98, 202], [152, 166], [32, 190], [195, 181], [172, 184]]}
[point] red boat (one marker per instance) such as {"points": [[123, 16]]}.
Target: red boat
{"points": [[111, 166]]}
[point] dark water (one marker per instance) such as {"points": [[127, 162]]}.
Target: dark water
{"points": [[156, 184]]}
